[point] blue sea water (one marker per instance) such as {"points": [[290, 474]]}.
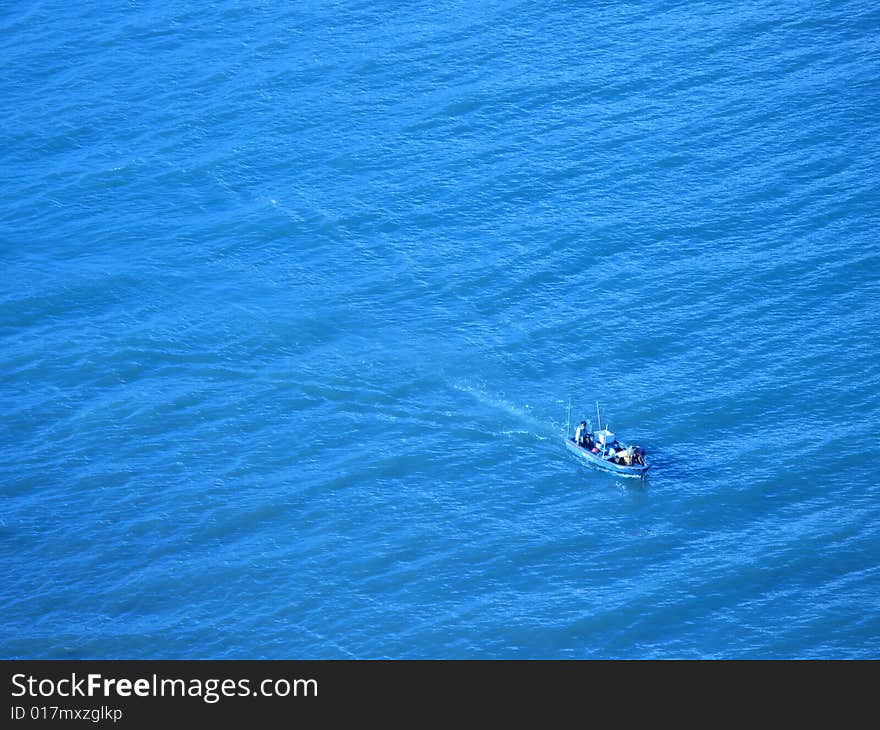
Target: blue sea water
{"points": [[294, 297]]}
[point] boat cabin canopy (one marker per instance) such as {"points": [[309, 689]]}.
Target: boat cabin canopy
{"points": [[604, 436]]}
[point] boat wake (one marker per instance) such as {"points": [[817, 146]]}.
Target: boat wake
{"points": [[541, 430]]}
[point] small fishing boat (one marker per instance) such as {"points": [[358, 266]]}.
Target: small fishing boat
{"points": [[601, 450]]}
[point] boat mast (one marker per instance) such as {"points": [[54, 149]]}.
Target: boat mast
{"points": [[568, 426], [598, 417]]}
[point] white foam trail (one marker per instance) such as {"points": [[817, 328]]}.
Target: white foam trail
{"points": [[286, 210], [537, 428]]}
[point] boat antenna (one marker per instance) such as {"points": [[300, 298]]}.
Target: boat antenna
{"points": [[598, 417], [568, 426]]}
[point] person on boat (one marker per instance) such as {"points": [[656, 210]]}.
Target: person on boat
{"points": [[580, 436], [640, 456]]}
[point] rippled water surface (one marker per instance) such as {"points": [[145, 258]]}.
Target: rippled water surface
{"points": [[294, 297]]}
